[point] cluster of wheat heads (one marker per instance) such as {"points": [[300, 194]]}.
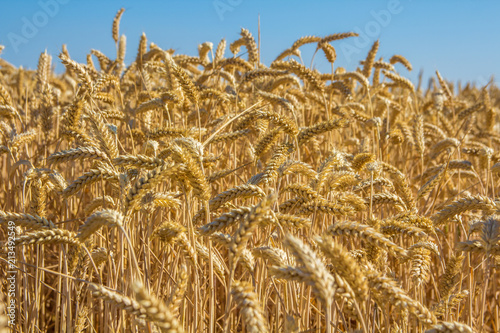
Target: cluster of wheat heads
{"points": [[214, 193]]}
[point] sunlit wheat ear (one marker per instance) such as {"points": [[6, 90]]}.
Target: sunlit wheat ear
{"points": [[303, 191], [450, 327], [81, 72], [77, 154], [306, 74], [94, 222], [366, 233], [450, 303], [400, 81], [288, 125], [293, 221], [186, 83], [402, 60], [274, 256], [451, 275], [148, 182], [462, 205], [89, 178], [280, 154], [387, 291], [177, 295], [50, 236], [250, 308], [126, 303], [241, 191], [188, 151], [116, 25], [97, 202], [319, 278], [156, 310], [256, 215], [398, 227], [193, 173], [306, 133], [26, 220], [344, 265], [224, 220]]}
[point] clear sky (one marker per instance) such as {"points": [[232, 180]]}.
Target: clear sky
{"points": [[460, 38]]}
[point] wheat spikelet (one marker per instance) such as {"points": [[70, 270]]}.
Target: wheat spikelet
{"points": [[103, 135], [193, 172], [21, 139], [336, 160], [81, 72], [138, 161], [305, 40], [280, 154], [449, 303], [265, 143], [354, 76], [420, 265], [288, 273], [386, 198], [5, 95], [150, 201], [185, 81], [241, 191]]}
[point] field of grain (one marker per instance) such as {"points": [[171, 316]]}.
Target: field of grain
{"points": [[213, 193]]}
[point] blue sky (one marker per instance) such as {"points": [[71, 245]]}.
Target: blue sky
{"points": [[460, 38]]}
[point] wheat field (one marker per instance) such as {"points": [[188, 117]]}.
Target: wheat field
{"points": [[214, 193]]}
